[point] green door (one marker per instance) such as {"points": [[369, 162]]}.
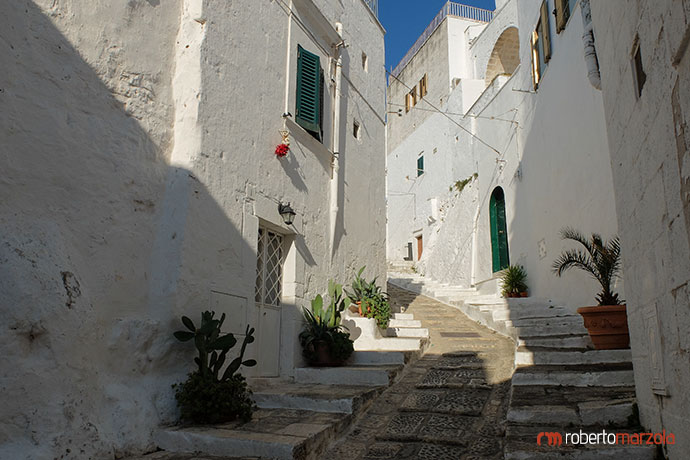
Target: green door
{"points": [[499, 233]]}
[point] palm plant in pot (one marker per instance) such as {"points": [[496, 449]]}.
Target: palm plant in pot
{"points": [[607, 323], [325, 342]]}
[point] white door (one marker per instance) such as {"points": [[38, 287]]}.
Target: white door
{"points": [[269, 291]]}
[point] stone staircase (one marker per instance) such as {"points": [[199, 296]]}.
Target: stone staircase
{"points": [[560, 383], [300, 418]]}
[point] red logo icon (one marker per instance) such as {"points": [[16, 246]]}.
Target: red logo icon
{"points": [[553, 439]]}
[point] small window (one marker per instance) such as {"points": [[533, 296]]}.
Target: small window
{"points": [[563, 11], [408, 105], [365, 62], [541, 46], [639, 76], [423, 87], [310, 86], [355, 129], [420, 166]]}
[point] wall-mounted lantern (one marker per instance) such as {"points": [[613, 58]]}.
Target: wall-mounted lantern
{"points": [[287, 213]]}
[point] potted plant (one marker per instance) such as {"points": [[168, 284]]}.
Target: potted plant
{"points": [[606, 323], [325, 342], [209, 396], [370, 299], [513, 281]]}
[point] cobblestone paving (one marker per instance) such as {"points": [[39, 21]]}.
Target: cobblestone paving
{"points": [[451, 404]]}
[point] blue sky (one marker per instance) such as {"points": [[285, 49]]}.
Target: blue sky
{"points": [[405, 20]]}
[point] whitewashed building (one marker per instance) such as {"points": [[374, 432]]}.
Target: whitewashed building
{"points": [[505, 148], [645, 70], [140, 183]]}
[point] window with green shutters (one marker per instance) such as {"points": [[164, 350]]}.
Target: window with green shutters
{"points": [[420, 166], [309, 110]]}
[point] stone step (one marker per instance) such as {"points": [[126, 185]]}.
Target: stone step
{"points": [[280, 434], [348, 375], [588, 413], [550, 330], [536, 313], [379, 358], [565, 395], [571, 320], [404, 323], [525, 356], [280, 394], [392, 344], [558, 342], [605, 375], [403, 316], [407, 332]]}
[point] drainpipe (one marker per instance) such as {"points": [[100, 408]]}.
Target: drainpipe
{"points": [[590, 50], [335, 167]]}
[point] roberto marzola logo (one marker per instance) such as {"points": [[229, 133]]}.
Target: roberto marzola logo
{"points": [[581, 438], [554, 439]]}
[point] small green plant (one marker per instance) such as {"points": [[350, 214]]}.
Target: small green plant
{"points": [[209, 396], [601, 260], [324, 340], [514, 281], [461, 184], [374, 303]]}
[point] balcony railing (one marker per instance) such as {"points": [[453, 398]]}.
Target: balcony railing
{"points": [[457, 10], [373, 6]]}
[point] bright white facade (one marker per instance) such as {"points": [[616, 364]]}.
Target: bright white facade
{"points": [[140, 184], [546, 149]]}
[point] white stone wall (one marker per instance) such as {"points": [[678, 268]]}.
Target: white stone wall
{"points": [[137, 157], [649, 139]]}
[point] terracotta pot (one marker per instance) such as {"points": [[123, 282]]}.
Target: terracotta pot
{"points": [[524, 294], [323, 356], [361, 312], [607, 326], [355, 307]]}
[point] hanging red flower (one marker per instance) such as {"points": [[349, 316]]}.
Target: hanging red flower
{"points": [[282, 150]]}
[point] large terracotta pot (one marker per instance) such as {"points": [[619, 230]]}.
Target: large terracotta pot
{"points": [[323, 356], [607, 326]]}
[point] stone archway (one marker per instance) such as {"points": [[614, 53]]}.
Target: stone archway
{"points": [[505, 56]]}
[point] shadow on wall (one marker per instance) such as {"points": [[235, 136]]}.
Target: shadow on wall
{"points": [[103, 246]]}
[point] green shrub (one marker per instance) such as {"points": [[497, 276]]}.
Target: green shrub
{"points": [[207, 400], [513, 281], [207, 396], [374, 302]]}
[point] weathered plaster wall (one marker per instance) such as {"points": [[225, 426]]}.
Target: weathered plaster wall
{"points": [[431, 59], [137, 156], [649, 139], [85, 135]]}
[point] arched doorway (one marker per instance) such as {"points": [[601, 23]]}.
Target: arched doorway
{"points": [[499, 232]]}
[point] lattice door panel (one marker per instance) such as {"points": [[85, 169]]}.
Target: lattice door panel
{"points": [[269, 268]]}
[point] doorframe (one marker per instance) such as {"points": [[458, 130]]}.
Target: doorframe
{"points": [[259, 210]]}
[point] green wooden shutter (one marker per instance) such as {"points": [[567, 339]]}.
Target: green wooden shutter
{"points": [[420, 166], [309, 91]]}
